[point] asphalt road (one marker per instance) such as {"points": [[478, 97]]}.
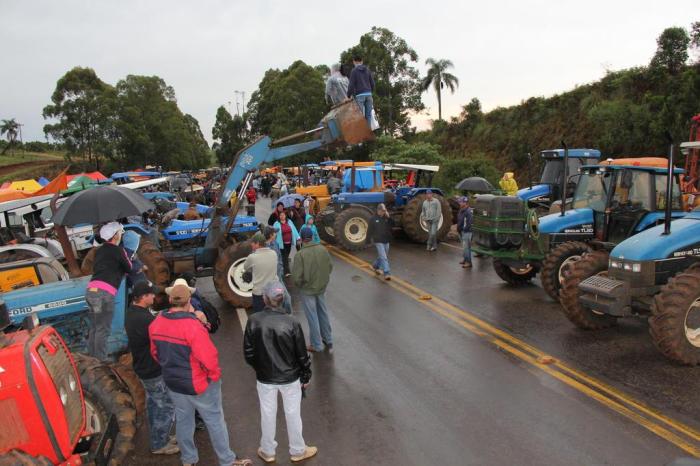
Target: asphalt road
{"points": [[450, 366]]}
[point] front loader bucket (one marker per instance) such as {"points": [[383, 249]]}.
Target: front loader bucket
{"points": [[350, 122]]}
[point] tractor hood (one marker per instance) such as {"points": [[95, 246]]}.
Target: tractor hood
{"points": [[555, 223], [536, 191], [653, 245]]}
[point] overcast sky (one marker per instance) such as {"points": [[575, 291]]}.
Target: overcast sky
{"points": [[503, 51]]}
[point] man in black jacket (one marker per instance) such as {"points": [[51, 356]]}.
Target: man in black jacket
{"points": [[380, 232], [159, 407], [274, 346], [361, 86]]}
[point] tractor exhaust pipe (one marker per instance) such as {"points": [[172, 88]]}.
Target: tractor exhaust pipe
{"points": [[529, 169], [565, 180], [669, 187]]}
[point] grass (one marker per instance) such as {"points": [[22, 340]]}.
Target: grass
{"points": [[55, 161], [15, 157]]}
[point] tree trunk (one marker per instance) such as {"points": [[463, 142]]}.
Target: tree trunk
{"points": [[439, 97]]}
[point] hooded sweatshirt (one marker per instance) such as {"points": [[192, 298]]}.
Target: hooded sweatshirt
{"points": [[361, 81]]}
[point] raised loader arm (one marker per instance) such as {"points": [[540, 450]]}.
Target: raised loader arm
{"points": [[344, 124]]}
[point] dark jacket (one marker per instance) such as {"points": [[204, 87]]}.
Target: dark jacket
{"points": [[274, 346], [111, 264], [361, 81], [298, 216], [136, 322], [311, 270], [187, 356], [464, 220], [380, 229], [274, 217]]}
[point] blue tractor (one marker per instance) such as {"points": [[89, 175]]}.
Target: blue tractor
{"points": [[349, 212], [654, 274], [542, 195]]}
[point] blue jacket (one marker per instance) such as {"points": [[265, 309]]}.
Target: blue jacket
{"points": [[464, 220], [316, 239], [361, 81], [295, 233]]}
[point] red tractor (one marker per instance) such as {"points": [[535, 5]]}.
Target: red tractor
{"points": [[58, 408]]}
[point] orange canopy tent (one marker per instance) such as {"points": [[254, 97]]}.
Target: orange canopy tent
{"points": [[57, 185]]}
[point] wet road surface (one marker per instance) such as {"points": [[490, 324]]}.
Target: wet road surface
{"points": [[480, 374]]}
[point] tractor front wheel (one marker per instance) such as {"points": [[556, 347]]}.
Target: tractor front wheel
{"points": [[593, 263], [558, 259], [228, 275], [675, 318], [105, 396], [324, 225], [515, 276], [350, 228]]}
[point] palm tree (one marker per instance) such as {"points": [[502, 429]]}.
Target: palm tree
{"points": [[439, 78], [10, 128]]}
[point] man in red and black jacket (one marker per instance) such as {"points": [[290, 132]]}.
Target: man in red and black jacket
{"points": [[190, 367]]}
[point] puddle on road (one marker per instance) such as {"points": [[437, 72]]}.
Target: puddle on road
{"points": [[356, 278]]}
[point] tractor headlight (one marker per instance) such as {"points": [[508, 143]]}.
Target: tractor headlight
{"points": [[615, 264], [63, 395], [636, 267], [71, 383]]}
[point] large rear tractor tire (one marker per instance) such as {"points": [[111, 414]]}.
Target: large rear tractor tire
{"points": [[157, 268], [324, 225], [674, 324], [416, 227], [513, 275], [350, 228], [558, 259], [88, 262], [124, 368], [20, 458], [593, 263], [105, 395], [228, 275]]}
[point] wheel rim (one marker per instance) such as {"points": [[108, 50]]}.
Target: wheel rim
{"points": [[235, 279], [356, 230], [567, 262], [521, 270], [692, 323], [93, 417], [424, 224], [329, 230]]}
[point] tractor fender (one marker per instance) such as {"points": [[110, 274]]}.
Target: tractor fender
{"points": [[138, 228], [359, 206]]}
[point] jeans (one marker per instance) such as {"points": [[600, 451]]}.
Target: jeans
{"points": [[366, 103], [160, 410], [382, 261], [432, 233], [317, 317], [100, 311], [467, 246], [208, 404], [291, 399]]}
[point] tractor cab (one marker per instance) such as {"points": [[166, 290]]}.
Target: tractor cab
{"points": [[548, 190], [419, 178]]}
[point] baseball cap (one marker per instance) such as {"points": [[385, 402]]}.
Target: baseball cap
{"points": [[274, 290], [179, 294], [306, 233], [142, 288], [110, 229]]}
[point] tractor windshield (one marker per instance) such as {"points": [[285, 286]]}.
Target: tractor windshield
{"points": [[552, 171], [634, 189], [592, 191]]}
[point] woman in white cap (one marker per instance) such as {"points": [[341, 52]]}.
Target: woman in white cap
{"points": [[111, 265]]}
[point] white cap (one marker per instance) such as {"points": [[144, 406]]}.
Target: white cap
{"points": [[110, 229]]}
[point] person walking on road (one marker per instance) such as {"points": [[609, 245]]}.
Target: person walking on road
{"points": [[263, 264], [190, 366], [159, 406], [361, 86], [110, 267], [297, 214], [431, 212], [380, 232], [271, 237], [274, 346], [464, 228], [311, 273], [336, 86], [287, 237], [310, 223]]}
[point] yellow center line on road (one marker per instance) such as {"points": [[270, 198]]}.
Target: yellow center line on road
{"points": [[660, 424]]}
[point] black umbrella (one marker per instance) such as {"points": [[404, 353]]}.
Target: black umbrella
{"points": [[101, 204], [475, 184]]}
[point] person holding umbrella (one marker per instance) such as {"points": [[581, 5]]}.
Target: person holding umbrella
{"points": [[287, 237], [111, 265]]}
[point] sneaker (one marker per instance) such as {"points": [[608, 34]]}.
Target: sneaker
{"points": [[168, 449], [433, 249], [242, 462], [462, 262], [265, 457], [329, 347], [377, 271], [387, 277], [309, 453], [466, 265]]}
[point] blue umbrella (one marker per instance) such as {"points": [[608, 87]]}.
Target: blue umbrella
{"points": [[288, 200]]}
